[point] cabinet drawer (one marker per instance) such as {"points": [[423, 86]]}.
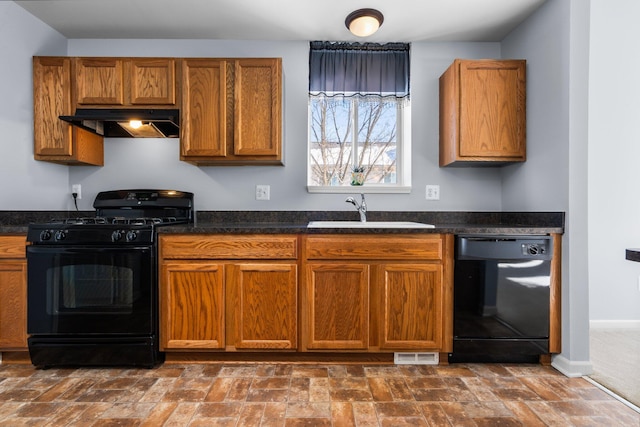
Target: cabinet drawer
{"points": [[391, 247], [13, 247], [199, 246]]}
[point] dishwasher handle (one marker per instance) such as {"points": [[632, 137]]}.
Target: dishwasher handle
{"points": [[504, 248]]}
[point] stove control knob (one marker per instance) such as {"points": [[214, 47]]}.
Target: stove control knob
{"points": [[131, 235], [116, 236], [45, 235], [60, 235]]}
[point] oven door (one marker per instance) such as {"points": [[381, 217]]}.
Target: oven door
{"points": [[90, 290]]}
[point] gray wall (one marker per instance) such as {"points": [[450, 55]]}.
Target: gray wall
{"points": [[24, 183]]}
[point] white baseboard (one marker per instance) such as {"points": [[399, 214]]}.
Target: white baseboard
{"points": [[614, 324], [571, 368]]}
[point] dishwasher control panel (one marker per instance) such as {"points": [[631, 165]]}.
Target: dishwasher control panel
{"points": [[504, 247]]}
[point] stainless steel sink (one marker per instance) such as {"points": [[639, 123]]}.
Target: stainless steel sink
{"points": [[368, 224]]}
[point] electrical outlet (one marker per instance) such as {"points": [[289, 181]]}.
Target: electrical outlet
{"points": [[77, 188], [432, 192], [263, 192]]}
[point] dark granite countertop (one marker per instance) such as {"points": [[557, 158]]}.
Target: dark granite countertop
{"points": [[16, 222], [13, 229], [289, 228], [295, 222], [272, 222]]}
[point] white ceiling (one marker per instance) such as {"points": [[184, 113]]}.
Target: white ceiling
{"points": [[404, 20]]}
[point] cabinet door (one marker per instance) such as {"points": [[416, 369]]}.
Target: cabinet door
{"points": [[13, 304], [151, 81], [411, 306], [192, 306], [492, 109], [336, 302], [51, 98], [263, 305], [257, 112], [203, 121], [483, 112], [99, 81]]}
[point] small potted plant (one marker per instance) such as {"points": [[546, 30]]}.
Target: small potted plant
{"points": [[357, 175]]}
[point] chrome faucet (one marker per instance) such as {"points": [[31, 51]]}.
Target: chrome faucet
{"points": [[362, 207]]}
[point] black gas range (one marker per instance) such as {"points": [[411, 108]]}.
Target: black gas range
{"points": [[92, 289], [122, 217]]}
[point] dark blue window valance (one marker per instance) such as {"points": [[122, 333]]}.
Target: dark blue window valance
{"points": [[347, 69]]}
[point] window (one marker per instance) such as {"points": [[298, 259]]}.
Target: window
{"points": [[359, 117]]}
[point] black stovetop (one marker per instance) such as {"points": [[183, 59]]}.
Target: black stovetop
{"points": [[122, 217]]}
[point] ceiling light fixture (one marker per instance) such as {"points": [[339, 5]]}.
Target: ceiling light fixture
{"points": [[364, 22]]}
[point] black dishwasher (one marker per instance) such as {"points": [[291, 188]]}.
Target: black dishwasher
{"points": [[501, 298]]}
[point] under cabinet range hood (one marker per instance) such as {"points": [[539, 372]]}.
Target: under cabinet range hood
{"points": [[127, 123]]}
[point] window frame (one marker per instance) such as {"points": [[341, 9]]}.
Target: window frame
{"points": [[403, 159]]}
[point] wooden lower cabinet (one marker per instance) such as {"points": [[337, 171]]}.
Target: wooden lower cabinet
{"points": [[214, 296], [339, 294], [192, 305], [336, 304], [13, 293], [411, 306], [263, 305], [377, 293]]}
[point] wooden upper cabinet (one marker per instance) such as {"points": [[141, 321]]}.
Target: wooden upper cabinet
{"points": [[125, 81], [203, 116], [258, 111], [152, 81], [55, 140], [99, 81], [230, 108], [483, 112], [231, 111], [51, 98]]}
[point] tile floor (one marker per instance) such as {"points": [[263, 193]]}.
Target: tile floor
{"points": [[305, 395]]}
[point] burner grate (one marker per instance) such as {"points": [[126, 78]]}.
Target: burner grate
{"points": [[81, 220], [120, 220], [143, 220]]}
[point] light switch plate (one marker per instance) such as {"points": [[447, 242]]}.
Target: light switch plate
{"points": [[263, 192], [432, 192]]}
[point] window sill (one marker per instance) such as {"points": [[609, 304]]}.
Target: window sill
{"points": [[364, 189]]}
